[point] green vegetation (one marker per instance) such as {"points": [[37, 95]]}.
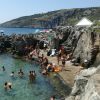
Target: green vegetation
{"points": [[55, 18]]}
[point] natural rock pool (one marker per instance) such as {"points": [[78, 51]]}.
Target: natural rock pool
{"points": [[42, 88]]}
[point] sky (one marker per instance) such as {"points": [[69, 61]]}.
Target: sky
{"points": [[11, 9]]}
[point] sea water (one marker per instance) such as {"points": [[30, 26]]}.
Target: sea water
{"points": [[41, 89], [9, 31]]}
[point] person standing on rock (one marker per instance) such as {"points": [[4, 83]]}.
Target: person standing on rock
{"points": [[58, 56], [63, 61]]}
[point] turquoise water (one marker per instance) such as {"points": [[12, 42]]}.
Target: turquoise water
{"points": [[9, 31], [42, 88]]}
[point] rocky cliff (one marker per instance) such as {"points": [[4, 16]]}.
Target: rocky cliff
{"points": [[55, 18], [87, 85], [83, 43]]}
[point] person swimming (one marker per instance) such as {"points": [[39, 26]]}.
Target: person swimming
{"points": [[20, 73], [32, 76], [52, 98], [3, 68], [30, 79], [7, 86], [12, 74]]}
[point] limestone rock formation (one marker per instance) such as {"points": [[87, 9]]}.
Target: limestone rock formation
{"points": [[87, 85], [82, 43]]}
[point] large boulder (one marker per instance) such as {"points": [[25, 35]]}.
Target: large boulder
{"points": [[87, 85]]}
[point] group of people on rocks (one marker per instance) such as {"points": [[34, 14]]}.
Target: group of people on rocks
{"points": [[47, 69], [45, 64]]}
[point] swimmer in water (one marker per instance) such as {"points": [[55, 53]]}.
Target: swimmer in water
{"points": [[21, 73], [7, 86], [52, 98], [3, 68], [12, 74]]}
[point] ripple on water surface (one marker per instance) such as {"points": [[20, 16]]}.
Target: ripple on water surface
{"points": [[42, 88]]}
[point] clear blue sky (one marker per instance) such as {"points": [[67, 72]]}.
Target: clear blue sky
{"points": [[11, 9]]}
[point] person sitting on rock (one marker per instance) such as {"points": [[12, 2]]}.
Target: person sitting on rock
{"points": [[41, 58], [44, 72], [63, 62], [49, 68], [45, 62]]}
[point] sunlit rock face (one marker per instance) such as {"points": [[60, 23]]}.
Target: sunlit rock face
{"points": [[87, 85], [82, 43], [83, 48]]}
